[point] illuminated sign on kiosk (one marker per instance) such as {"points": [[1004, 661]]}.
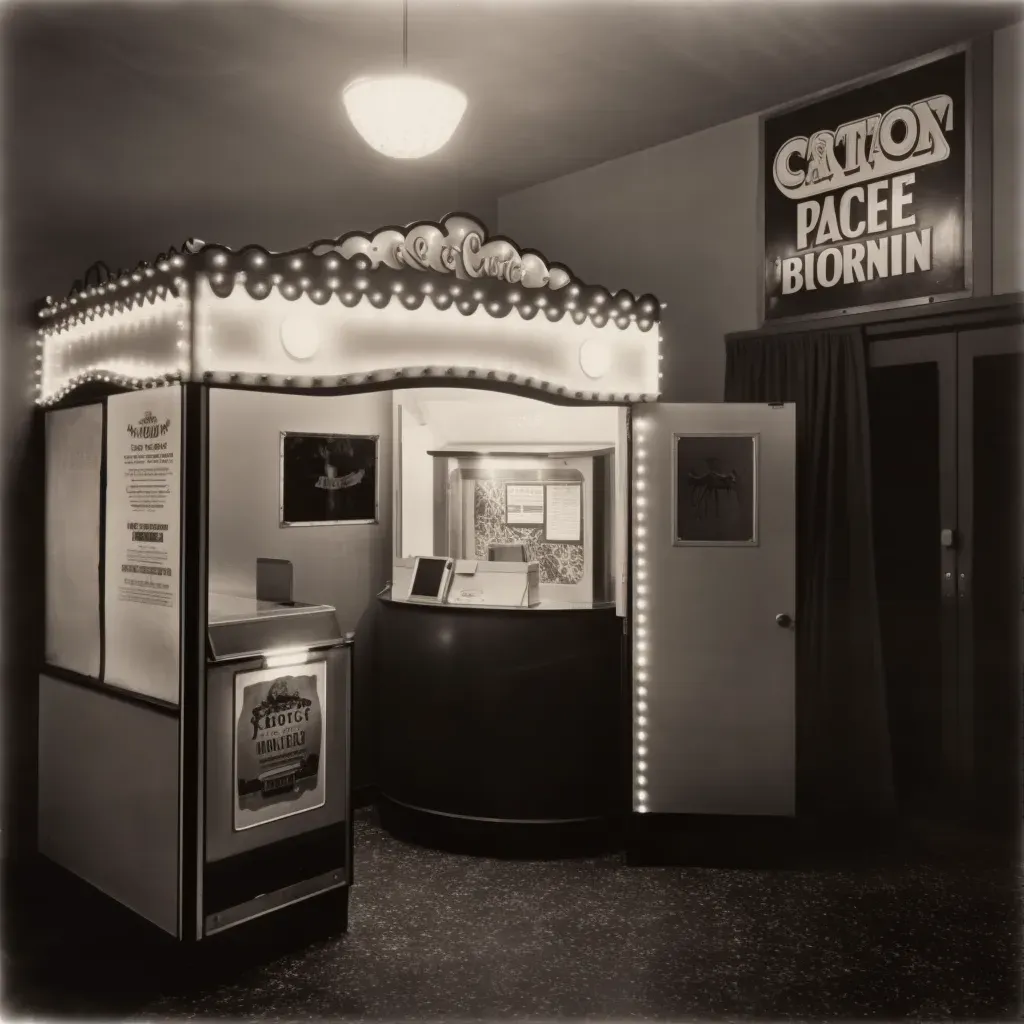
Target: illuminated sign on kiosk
{"points": [[431, 302], [866, 194], [459, 247]]}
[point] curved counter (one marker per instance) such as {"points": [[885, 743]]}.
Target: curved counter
{"points": [[498, 729]]}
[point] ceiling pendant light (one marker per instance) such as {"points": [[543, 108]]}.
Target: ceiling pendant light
{"points": [[404, 116]]}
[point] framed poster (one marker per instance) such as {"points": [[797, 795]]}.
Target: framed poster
{"points": [[524, 504], [866, 193], [714, 490], [142, 563], [329, 479], [563, 513], [280, 743]]}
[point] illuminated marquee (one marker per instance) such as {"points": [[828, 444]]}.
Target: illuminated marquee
{"points": [[431, 302]]}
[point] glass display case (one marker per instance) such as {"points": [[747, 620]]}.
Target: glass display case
{"points": [[552, 508]]}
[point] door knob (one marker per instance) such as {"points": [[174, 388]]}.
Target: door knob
{"points": [[784, 620]]}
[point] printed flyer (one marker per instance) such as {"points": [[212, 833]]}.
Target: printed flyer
{"points": [[143, 541], [279, 743]]}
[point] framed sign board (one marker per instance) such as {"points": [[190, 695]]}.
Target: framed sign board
{"points": [[866, 193], [524, 504], [279, 743], [328, 479], [714, 491]]}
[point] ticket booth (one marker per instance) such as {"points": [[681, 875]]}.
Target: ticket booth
{"points": [[208, 419]]}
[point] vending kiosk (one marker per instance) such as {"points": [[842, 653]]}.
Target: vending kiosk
{"points": [[194, 731]]}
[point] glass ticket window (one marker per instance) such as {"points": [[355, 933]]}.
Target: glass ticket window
{"points": [[553, 508]]}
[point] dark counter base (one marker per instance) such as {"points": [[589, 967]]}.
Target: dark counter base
{"points": [[499, 839], [499, 716]]}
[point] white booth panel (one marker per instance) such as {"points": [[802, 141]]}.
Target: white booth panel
{"points": [[74, 452], [108, 796]]}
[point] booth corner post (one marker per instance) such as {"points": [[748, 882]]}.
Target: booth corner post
{"points": [[194, 589]]}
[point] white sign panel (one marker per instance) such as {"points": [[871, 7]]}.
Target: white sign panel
{"points": [[143, 553], [74, 452], [564, 518], [279, 743], [524, 504]]}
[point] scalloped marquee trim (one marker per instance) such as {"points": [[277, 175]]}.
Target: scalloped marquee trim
{"points": [[458, 246]]}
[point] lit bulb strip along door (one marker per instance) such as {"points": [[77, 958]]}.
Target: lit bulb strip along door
{"points": [[641, 611]]}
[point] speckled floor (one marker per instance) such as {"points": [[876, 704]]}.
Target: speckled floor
{"points": [[434, 936]]}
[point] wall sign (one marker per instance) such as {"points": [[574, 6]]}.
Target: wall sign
{"points": [[524, 504], [563, 513], [142, 577], [279, 743], [865, 194], [715, 493], [328, 479]]}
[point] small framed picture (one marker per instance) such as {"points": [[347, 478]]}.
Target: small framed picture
{"points": [[715, 489], [329, 479]]}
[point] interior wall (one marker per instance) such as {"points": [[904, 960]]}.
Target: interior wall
{"points": [[343, 566], [678, 220], [417, 490], [681, 220]]}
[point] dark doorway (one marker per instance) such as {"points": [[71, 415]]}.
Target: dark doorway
{"points": [[991, 375], [908, 468], [947, 471]]}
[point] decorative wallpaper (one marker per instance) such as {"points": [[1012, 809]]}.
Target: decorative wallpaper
{"points": [[559, 562]]}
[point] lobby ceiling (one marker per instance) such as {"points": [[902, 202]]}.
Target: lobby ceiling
{"points": [[114, 111]]}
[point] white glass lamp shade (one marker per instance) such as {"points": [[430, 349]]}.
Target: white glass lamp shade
{"points": [[404, 116]]}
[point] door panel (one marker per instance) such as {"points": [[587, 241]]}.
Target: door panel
{"points": [[911, 397], [714, 674], [991, 570]]}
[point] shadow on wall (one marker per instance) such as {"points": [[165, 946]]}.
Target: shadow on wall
{"points": [[22, 606]]}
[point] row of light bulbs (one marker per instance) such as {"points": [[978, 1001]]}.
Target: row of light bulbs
{"points": [[219, 260], [455, 295], [158, 377], [111, 319], [413, 372], [53, 308], [641, 619], [93, 374]]}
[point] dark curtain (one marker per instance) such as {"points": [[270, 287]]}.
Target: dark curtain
{"points": [[844, 759]]}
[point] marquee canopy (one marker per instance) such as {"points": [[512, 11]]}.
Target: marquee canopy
{"points": [[428, 303]]}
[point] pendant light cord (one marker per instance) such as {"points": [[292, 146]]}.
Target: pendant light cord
{"points": [[405, 33]]}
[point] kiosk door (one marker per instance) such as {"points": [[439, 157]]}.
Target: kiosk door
{"points": [[714, 594]]}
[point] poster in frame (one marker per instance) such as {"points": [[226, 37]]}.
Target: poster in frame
{"points": [[524, 504], [715, 490], [279, 743], [329, 479], [885, 231]]}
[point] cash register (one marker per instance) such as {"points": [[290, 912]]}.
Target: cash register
{"points": [[462, 581]]}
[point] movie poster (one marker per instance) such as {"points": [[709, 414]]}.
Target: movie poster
{"points": [[865, 194], [715, 499], [142, 577], [279, 743], [328, 479]]}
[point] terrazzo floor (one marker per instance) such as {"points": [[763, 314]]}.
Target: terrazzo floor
{"points": [[436, 936]]}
